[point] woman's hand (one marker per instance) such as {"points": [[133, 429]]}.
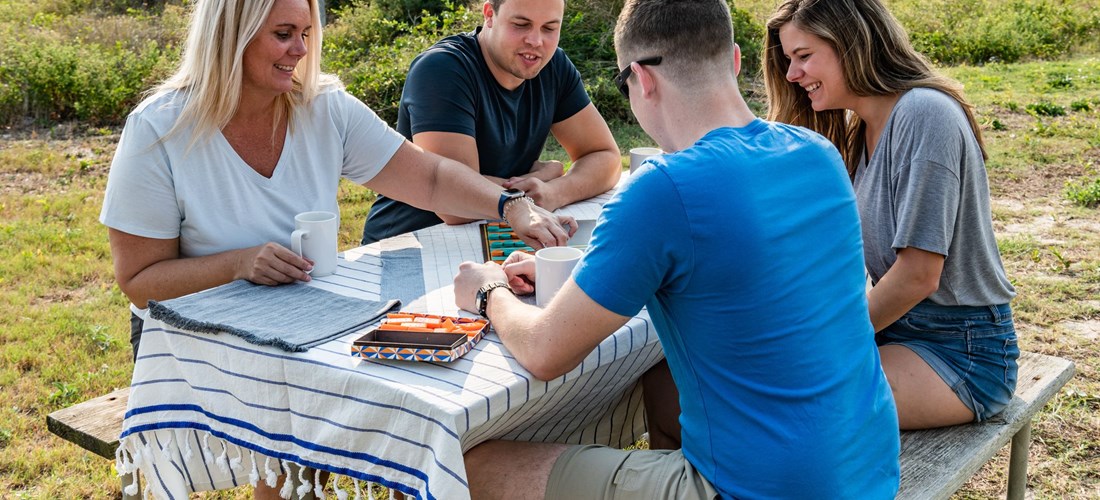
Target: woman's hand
{"points": [[536, 226], [272, 264]]}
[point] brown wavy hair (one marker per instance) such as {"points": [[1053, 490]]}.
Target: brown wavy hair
{"points": [[876, 59]]}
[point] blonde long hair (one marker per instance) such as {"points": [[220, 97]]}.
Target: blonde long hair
{"points": [[876, 59], [211, 69]]}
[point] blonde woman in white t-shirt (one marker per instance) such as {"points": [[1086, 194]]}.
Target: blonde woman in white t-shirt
{"points": [[213, 166]]}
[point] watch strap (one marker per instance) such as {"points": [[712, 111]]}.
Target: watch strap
{"points": [[482, 298], [506, 196]]}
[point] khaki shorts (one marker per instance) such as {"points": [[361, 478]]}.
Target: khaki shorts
{"points": [[600, 472]]}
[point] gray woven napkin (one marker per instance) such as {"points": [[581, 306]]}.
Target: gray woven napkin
{"points": [[402, 274], [291, 317]]}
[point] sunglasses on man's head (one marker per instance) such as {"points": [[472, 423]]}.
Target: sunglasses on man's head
{"points": [[620, 79]]}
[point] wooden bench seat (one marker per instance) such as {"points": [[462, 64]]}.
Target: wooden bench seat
{"points": [[936, 462], [95, 426]]}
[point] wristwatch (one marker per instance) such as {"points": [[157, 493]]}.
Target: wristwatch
{"points": [[506, 196], [481, 300]]}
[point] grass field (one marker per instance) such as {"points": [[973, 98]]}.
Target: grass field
{"points": [[64, 328]]}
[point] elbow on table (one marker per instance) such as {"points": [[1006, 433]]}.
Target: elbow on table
{"points": [[544, 368], [452, 220]]}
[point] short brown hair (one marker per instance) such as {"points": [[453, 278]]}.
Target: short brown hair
{"points": [[694, 37]]}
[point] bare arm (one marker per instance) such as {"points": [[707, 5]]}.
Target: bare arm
{"points": [[459, 147], [914, 276], [596, 162], [547, 342], [432, 182], [463, 149], [150, 268]]}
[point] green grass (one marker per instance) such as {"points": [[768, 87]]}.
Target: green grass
{"points": [[64, 323]]}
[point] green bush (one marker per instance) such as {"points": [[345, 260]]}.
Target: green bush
{"points": [[371, 54], [1046, 109], [1084, 193], [91, 59], [981, 31], [588, 37], [50, 80]]}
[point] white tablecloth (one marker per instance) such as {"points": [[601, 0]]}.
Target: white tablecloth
{"points": [[213, 411]]}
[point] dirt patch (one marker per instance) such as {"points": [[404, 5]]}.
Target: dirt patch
{"points": [[26, 183], [1088, 330]]}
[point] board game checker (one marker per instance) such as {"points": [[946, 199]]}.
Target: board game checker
{"points": [[498, 242], [420, 337]]}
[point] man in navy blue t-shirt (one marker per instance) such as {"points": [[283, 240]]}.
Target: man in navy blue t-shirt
{"points": [[490, 99]]}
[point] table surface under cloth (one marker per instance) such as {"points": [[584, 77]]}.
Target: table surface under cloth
{"points": [[212, 411]]}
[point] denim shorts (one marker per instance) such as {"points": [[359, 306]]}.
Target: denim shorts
{"points": [[972, 348]]}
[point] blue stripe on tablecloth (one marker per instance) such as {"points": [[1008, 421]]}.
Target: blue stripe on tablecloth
{"points": [[550, 429], [411, 369], [362, 430], [296, 359], [296, 459], [186, 469], [156, 472], [480, 347], [176, 466], [441, 425]]}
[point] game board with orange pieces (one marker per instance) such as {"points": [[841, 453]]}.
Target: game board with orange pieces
{"points": [[420, 337], [498, 242]]}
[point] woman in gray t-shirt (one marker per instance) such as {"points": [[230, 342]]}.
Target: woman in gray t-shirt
{"points": [[940, 301]]}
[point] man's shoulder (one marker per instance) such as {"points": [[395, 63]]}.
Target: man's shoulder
{"points": [[458, 47]]}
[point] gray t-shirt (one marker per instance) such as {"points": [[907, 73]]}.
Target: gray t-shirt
{"points": [[926, 187]]}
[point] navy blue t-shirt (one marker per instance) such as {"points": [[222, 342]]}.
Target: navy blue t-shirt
{"points": [[449, 88]]}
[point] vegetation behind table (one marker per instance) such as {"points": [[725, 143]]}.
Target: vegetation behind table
{"points": [[70, 70]]}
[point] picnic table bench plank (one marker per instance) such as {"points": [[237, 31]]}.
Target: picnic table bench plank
{"points": [[936, 462], [95, 425]]}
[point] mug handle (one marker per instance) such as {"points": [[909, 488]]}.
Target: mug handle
{"points": [[296, 243]]}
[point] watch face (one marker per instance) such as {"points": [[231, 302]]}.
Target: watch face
{"points": [[513, 193], [479, 301]]}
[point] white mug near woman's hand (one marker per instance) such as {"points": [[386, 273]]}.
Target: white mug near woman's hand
{"points": [[314, 238]]}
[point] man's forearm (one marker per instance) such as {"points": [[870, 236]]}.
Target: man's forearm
{"points": [[591, 174]]}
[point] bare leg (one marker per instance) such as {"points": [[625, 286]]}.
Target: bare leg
{"points": [[264, 492], [662, 407], [510, 469], [923, 399]]}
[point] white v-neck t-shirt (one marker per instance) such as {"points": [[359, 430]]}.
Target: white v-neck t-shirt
{"points": [[206, 195]]}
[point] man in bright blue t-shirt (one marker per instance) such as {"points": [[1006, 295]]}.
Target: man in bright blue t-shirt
{"points": [[752, 271]]}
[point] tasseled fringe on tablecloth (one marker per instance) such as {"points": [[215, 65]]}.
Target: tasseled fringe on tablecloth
{"points": [[132, 452]]}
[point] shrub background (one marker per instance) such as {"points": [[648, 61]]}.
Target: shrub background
{"points": [[91, 60]]}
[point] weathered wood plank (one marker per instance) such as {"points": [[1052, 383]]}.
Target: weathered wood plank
{"points": [[94, 424], [936, 462]]}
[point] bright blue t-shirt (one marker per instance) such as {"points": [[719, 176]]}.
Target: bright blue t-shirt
{"points": [[746, 250]]}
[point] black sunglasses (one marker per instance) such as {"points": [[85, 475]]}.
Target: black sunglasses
{"points": [[620, 79]]}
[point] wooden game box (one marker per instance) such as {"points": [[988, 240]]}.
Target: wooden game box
{"points": [[420, 337]]}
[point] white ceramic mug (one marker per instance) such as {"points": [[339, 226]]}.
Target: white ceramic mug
{"points": [[314, 238], [638, 155], [553, 267]]}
